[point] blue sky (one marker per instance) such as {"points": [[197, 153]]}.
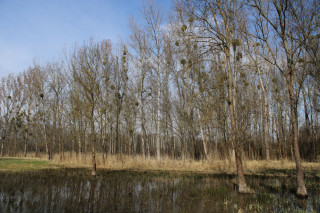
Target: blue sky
{"points": [[41, 29]]}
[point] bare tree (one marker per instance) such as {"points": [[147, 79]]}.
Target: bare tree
{"points": [[57, 85], [154, 20], [279, 18], [221, 24], [86, 66]]}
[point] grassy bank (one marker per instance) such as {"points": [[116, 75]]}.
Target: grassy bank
{"points": [[25, 164], [137, 163]]}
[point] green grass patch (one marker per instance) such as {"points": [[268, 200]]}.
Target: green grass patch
{"points": [[195, 192], [312, 183], [21, 165], [218, 191]]}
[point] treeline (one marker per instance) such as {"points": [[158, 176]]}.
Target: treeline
{"points": [[213, 78]]}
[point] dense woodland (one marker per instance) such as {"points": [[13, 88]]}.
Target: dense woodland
{"points": [[221, 79]]}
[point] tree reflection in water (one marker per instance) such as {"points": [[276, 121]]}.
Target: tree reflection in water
{"points": [[74, 190]]}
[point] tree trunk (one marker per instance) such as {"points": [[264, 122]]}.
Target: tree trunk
{"points": [[25, 144], [306, 115], [158, 118], [47, 144], [37, 154], [266, 114], [142, 123], [216, 151], [183, 152], [60, 151], [79, 144], [111, 140], [45, 139], [266, 130], [285, 132], [93, 140], [15, 143], [301, 188], [148, 149], [242, 186], [80, 135], [62, 147], [203, 137], [142, 146], [102, 141], [93, 153], [2, 146], [118, 135], [172, 146]]}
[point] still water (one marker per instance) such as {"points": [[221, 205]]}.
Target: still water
{"points": [[73, 190]]}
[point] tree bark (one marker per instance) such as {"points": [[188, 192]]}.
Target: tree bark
{"points": [[242, 185], [60, 148], [306, 115], [142, 119], [93, 139], [47, 144], [2, 146], [265, 114], [15, 142], [158, 116], [37, 151], [301, 188], [93, 154], [203, 137], [118, 135], [25, 143]]}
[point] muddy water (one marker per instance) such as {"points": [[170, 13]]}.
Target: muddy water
{"points": [[72, 190]]}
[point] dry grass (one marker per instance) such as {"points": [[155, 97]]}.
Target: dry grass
{"points": [[280, 168], [211, 165], [114, 162]]}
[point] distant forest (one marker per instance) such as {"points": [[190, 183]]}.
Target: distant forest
{"points": [[221, 79]]}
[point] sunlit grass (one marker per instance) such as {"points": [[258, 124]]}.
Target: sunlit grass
{"points": [[25, 164]]}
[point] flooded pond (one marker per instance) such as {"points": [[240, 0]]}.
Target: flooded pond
{"points": [[73, 190]]}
